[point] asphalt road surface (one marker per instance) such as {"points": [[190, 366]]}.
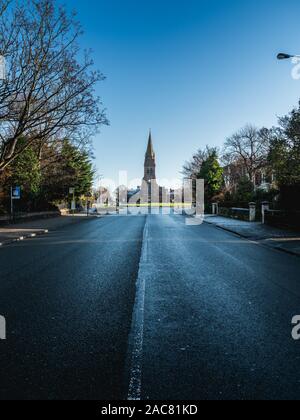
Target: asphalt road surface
{"points": [[148, 307]]}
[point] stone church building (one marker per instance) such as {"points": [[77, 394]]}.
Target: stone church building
{"points": [[151, 192]]}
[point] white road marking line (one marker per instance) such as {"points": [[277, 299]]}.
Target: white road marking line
{"points": [[136, 337]]}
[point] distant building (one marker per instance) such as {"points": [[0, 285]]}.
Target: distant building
{"points": [[151, 192], [264, 178]]}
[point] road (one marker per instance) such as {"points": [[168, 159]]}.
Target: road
{"points": [[189, 312]]}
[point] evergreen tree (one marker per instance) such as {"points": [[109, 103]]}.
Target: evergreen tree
{"points": [[212, 173], [72, 168], [25, 172], [245, 191]]}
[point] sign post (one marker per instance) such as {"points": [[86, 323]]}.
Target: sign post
{"points": [[15, 194]]}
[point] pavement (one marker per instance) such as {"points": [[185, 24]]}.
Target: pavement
{"points": [[283, 240], [27, 230], [148, 307]]}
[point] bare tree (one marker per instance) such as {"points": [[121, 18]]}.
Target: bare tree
{"points": [[193, 167], [3, 6], [48, 94], [248, 147]]}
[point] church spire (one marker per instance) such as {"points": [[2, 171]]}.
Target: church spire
{"points": [[150, 164], [150, 149]]}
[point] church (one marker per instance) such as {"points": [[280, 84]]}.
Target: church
{"points": [[151, 192]]}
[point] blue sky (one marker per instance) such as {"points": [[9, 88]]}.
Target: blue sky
{"points": [[194, 71]]}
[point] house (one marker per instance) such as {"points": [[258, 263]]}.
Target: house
{"points": [[264, 178]]}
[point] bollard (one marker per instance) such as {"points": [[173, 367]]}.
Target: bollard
{"points": [[252, 212], [215, 208], [265, 206]]}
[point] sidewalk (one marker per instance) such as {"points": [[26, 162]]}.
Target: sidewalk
{"points": [[21, 231], [282, 240]]}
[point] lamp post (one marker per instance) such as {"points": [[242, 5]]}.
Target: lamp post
{"points": [[283, 56], [295, 59]]}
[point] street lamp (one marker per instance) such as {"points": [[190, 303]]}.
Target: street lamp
{"points": [[283, 56]]}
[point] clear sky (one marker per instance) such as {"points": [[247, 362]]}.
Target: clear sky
{"points": [[194, 71]]}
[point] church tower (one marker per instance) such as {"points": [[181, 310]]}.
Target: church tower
{"points": [[150, 164]]}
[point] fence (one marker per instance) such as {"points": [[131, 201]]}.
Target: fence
{"points": [[247, 213], [23, 217], [263, 213], [235, 213], [283, 219]]}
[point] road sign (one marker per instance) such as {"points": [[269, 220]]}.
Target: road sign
{"points": [[16, 193], [71, 190], [73, 205]]}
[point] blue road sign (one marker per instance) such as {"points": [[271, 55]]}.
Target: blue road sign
{"points": [[16, 193]]}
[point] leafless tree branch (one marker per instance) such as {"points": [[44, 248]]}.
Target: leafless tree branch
{"points": [[49, 92]]}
